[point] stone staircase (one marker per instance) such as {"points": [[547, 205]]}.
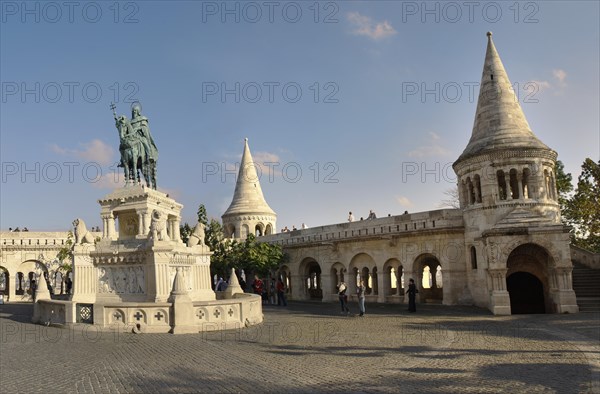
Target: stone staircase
{"points": [[586, 283]]}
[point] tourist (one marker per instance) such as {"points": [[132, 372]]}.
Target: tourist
{"points": [[304, 226], [294, 228], [220, 283], [33, 289], [360, 292], [281, 293], [272, 294], [350, 217], [69, 284], [243, 284], [10, 230], [372, 215], [343, 297], [25, 229], [257, 286], [412, 291]]}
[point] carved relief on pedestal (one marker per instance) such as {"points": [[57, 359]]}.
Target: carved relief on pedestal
{"points": [[121, 280], [186, 271]]}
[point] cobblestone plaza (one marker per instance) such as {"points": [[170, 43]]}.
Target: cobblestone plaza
{"points": [[310, 347]]}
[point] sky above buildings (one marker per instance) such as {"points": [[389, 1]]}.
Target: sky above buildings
{"points": [[347, 105]]}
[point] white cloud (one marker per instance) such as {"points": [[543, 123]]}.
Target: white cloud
{"points": [[560, 75], [260, 158], [404, 201], [538, 86], [94, 151], [111, 181], [365, 26], [432, 148]]}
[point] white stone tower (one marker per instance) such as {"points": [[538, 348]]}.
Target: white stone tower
{"points": [[507, 190], [248, 212]]}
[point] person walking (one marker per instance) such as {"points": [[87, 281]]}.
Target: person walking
{"points": [[360, 292], [343, 298], [412, 292], [281, 293]]}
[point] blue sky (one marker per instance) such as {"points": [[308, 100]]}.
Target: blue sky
{"points": [[335, 93]]}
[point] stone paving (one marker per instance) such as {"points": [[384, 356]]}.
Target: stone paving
{"points": [[310, 347]]}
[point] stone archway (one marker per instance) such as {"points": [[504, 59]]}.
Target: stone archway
{"points": [[363, 267], [337, 275], [527, 279], [311, 274], [392, 278], [4, 283], [526, 293], [428, 270], [27, 272], [283, 273]]}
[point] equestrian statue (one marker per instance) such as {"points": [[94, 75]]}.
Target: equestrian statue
{"points": [[138, 150]]}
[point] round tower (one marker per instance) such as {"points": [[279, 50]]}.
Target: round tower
{"points": [[507, 191], [248, 212]]}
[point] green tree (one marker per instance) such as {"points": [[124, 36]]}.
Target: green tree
{"points": [[202, 218], [582, 210], [564, 185], [65, 254], [185, 230]]}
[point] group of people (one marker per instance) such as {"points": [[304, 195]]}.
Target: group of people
{"points": [[16, 230], [360, 294], [273, 293], [287, 230], [372, 215]]}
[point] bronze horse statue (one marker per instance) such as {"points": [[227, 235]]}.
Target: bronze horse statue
{"points": [[134, 156]]}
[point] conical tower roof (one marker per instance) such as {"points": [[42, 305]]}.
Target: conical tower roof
{"points": [[248, 196], [499, 121]]}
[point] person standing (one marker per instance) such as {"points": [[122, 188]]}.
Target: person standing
{"points": [[412, 292], [360, 292], [350, 217], [272, 292], [33, 289], [257, 286], [343, 297], [281, 293]]}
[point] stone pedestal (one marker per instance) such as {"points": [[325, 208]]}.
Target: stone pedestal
{"points": [[500, 302], [564, 301]]}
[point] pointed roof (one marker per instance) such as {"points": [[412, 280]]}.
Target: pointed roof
{"points": [[248, 196], [499, 119]]}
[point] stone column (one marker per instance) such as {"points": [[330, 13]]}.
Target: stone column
{"points": [[381, 289], [140, 216], [85, 275], [12, 287], [563, 298], [104, 227], [111, 232], [520, 185], [500, 299], [298, 287], [176, 235], [325, 286]]}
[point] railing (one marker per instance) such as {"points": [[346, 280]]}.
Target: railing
{"points": [[381, 227]]}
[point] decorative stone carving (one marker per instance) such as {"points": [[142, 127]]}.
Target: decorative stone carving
{"points": [[197, 237], [121, 280], [82, 235], [158, 227]]}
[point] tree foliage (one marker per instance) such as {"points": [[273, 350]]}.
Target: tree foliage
{"points": [[582, 209], [65, 254], [249, 255], [564, 185]]}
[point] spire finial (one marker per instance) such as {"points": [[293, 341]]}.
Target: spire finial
{"points": [[246, 139], [489, 34]]}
